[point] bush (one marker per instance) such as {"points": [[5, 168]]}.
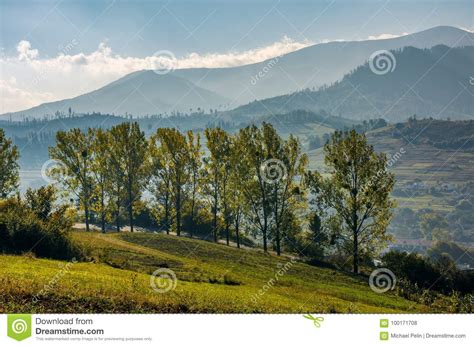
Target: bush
{"points": [[34, 225], [441, 276], [145, 219], [452, 302], [412, 267], [313, 244], [200, 226]]}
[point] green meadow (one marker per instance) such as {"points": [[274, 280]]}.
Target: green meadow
{"points": [[211, 278]]}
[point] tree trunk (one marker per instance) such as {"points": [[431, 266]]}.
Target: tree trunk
{"points": [[356, 254], [130, 216], [214, 220], [117, 218], [237, 236], [355, 222], [227, 236], [178, 210], [277, 222], [167, 215], [102, 209], [86, 212], [130, 205], [278, 249], [86, 196], [117, 221], [193, 206], [265, 227], [265, 218]]}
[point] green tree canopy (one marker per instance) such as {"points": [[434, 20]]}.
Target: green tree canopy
{"points": [[73, 154], [356, 195], [9, 167], [129, 150]]}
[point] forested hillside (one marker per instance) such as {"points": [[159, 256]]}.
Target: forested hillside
{"points": [[426, 82]]}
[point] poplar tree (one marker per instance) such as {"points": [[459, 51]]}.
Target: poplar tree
{"points": [[288, 191], [9, 167], [174, 148], [258, 147], [73, 154], [160, 180], [100, 170], [356, 195], [195, 163], [217, 174], [129, 151]]}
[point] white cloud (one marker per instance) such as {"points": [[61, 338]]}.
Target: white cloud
{"points": [[370, 38], [68, 75], [467, 29], [25, 52], [286, 45], [385, 36], [327, 40]]}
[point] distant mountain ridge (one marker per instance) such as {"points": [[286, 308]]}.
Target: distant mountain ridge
{"points": [[313, 66], [145, 92], [137, 94], [427, 82]]}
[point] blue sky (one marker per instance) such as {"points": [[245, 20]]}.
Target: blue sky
{"points": [[139, 28], [51, 50]]}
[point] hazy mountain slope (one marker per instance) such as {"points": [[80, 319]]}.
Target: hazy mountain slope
{"points": [[313, 66], [141, 93], [427, 82], [35, 136], [226, 88]]}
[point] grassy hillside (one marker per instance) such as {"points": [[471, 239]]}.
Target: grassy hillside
{"points": [[211, 278]]}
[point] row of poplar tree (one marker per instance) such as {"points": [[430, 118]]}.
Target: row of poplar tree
{"points": [[249, 180]]}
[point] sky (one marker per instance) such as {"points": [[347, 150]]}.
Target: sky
{"points": [[51, 50]]}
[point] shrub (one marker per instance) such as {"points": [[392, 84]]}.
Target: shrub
{"points": [[200, 226], [144, 218], [412, 267], [35, 225], [452, 302], [441, 275]]}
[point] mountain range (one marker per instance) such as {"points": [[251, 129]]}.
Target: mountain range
{"points": [[430, 82], [146, 92]]}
